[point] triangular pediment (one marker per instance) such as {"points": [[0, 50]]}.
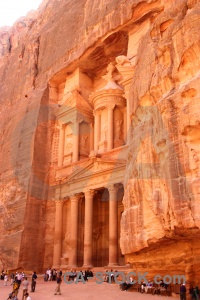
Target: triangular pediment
{"points": [[75, 102], [95, 167]]}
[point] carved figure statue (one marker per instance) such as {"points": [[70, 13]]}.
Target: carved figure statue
{"points": [[118, 128], [109, 75], [105, 129], [68, 147], [83, 140]]}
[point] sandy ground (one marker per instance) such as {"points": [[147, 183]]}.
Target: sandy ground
{"points": [[80, 291]]}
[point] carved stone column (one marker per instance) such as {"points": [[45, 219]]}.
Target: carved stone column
{"points": [[96, 130], [126, 69], [75, 141], [128, 120], [57, 251], [61, 146], [91, 137], [110, 127], [87, 261], [74, 231], [113, 226]]}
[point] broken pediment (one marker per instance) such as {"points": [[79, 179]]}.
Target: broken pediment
{"points": [[75, 102]]}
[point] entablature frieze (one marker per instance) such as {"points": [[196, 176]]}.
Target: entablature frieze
{"points": [[72, 117], [91, 182]]}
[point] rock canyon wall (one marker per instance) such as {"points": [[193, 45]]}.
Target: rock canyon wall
{"points": [[158, 43]]}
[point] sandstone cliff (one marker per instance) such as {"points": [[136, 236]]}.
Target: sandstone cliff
{"points": [[161, 201]]}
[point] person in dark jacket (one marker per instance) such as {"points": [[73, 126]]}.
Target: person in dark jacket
{"points": [[182, 292], [59, 281], [33, 282]]}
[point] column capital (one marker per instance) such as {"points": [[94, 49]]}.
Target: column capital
{"points": [[59, 202], [75, 198], [89, 193], [60, 125], [112, 188], [78, 120], [110, 106]]}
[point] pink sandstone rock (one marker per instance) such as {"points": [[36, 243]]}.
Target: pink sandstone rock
{"points": [[142, 141]]}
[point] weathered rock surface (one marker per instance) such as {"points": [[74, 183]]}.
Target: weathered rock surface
{"points": [[160, 223], [161, 201]]}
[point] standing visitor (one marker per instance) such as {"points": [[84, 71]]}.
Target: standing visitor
{"points": [[5, 279], [59, 280], [16, 287], [182, 292], [25, 284], [12, 278], [33, 283], [195, 295]]}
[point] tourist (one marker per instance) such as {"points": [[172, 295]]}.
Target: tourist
{"points": [[195, 295], [33, 283], [27, 296], [5, 279], [12, 278], [2, 275], [142, 288], [25, 284], [182, 292], [54, 275], [50, 274], [19, 278], [16, 287], [13, 296], [191, 292], [47, 275], [57, 290]]}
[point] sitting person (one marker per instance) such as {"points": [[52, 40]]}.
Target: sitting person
{"points": [[125, 286], [142, 288]]}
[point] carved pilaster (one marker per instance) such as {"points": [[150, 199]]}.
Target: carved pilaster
{"points": [[61, 144], [58, 232], [74, 231], [126, 69], [96, 130], [76, 140], [113, 225], [89, 194]]}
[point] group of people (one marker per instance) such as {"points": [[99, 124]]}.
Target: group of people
{"points": [[85, 274], [194, 292], [16, 281], [51, 275], [111, 278]]}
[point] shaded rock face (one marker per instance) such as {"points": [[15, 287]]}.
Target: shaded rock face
{"points": [[162, 185], [162, 179]]}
